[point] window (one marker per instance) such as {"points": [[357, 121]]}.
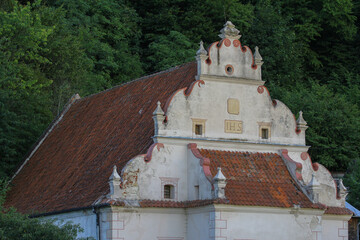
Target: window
{"points": [[264, 133], [197, 193], [198, 129], [169, 188], [229, 69], [168, 191], [264, 130], [198, 126]]}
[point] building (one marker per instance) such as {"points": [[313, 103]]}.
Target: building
{"points": [[354, 224], [200, 151]]}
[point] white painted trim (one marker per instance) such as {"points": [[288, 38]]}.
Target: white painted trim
{"points": [[262, 210], [225, 208], [71, 101], [237, 145], [201, 209], [246, 81], [336, 217], [159, 210]]}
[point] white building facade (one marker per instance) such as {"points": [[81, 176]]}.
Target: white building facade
{"points": [[227, 163]]}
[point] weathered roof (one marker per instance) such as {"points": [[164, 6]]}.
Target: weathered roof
{"points": [[253, 179], [257, 179], [70, 169]]}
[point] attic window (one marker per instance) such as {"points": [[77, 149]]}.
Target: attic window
{"points": [[229, 69], [264, 130], [264, 133], [197, 192], [169, 191], [198, 127]]}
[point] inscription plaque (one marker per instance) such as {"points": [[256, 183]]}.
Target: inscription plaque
{"points": [[233, 126]]}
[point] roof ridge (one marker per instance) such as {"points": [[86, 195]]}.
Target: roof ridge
{"points": [[136, 80]]}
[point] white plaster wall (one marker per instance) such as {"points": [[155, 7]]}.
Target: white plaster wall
{"points": [[198, 223], [334, 229], [209, 101], [167, 165], [144, 224], [241, 61], [196, 177], [235, 225], [328, 194], [219, 223], [86, 219], [171, 164]]}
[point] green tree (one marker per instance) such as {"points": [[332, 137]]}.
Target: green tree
{"points": [[168, 51], [23, 102], [333, 123], [351, 181], [14, 225], [109, 34], [283, 63]]}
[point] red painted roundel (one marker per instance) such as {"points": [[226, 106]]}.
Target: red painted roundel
{"points": [[227, 42], [236, 43]]}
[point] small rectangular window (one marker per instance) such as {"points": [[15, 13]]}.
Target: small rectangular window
{"points": [[265, 133], [197, 194], [168, 192], [198, 129]]}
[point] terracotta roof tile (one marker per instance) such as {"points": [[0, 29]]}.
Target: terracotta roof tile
{"points": [[338, 211], [257, 179], [71, 167]]}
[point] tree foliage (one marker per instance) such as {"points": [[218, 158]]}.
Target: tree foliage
{"points": [[14, 225]]}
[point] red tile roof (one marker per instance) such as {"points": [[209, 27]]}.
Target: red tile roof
{"points": [[338, 211], [71, 167], [257, 179]]}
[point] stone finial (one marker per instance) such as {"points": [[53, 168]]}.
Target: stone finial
{"points": [[314, 189], [257, 57], [300, 119], [300, 122], [220, 184], [158, 117], [114, 175], [229, 31], [342, 189], [114, 182], [158, 110], [201, 51]]}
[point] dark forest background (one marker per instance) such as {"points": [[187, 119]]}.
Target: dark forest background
{"points": [[52, 49]]}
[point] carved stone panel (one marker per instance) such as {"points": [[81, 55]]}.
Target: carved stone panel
{"points": [[233, 126], [233, 106]]}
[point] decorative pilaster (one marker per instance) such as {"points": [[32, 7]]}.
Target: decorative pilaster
{"points": [[158, 117], [220, 184], [201, 57], [301, 123], [114, 182], [257, 57], [314, 189]]}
